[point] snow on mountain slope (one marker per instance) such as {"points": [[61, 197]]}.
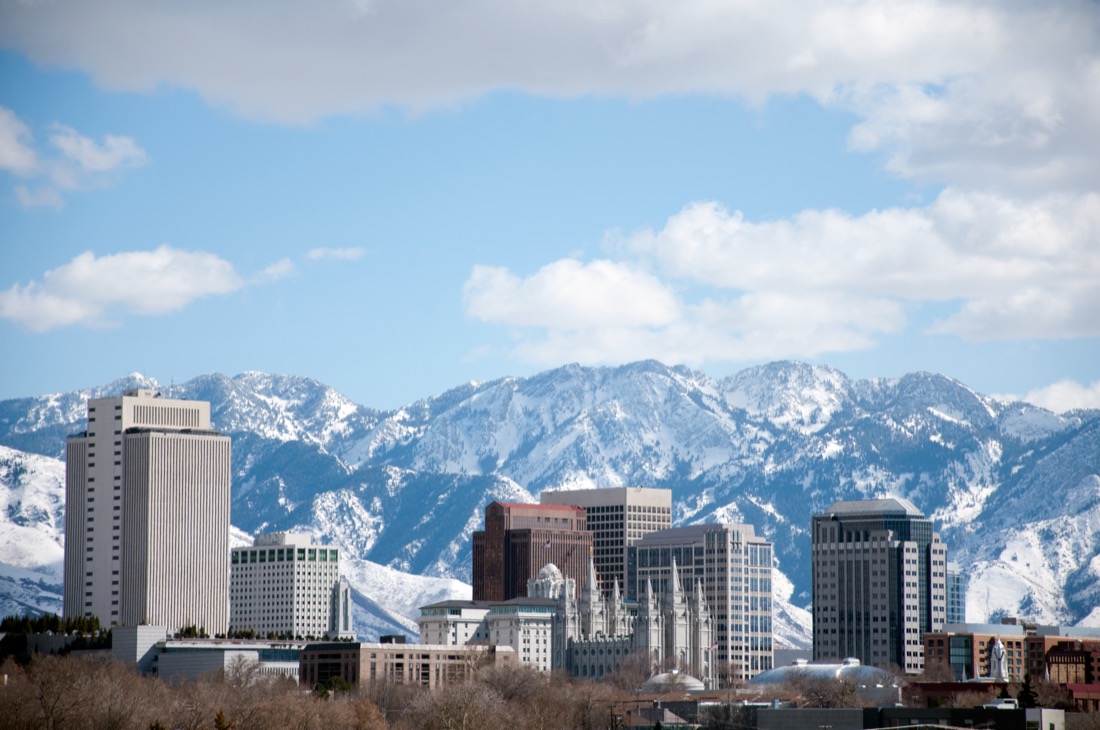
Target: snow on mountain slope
{"points": [[769, 445]]}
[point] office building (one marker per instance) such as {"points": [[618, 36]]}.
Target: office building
{"points": [[1010, 650], [733, 568], [519, 539], [285, 585], [617, 518], [425, 665], [524, 624], [879, 583], [956, 595], [147, 515]]}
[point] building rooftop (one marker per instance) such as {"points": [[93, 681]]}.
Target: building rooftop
{"points": [[692, 533], [888, 506]]}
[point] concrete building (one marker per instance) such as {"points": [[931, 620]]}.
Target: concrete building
{"points": [[617, 518], [956, 595], [153, 651], [416, 664], [454, 623], [733, 568], [524, 624], [879, 583], [519, 539], [147, 515], [286, 585]]}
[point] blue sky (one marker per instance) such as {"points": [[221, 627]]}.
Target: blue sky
{"points": [[395, 198]]}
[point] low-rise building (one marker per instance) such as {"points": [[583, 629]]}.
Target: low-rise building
{"points": [[427, 665], [1013, 649]]}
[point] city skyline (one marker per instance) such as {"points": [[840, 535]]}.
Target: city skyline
{"points": [[395, 201]]}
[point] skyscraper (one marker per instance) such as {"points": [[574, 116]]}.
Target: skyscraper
{"points": [[733, 568], [617, 518], [879, 582], [286, 584], [147, 515], [519, 539]]}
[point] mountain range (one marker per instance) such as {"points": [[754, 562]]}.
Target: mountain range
{"points": [[1014, 489]]}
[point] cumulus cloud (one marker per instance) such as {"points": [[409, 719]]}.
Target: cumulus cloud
{"points": [[281, 269], [113, 153], [79, 162], [569, 295], [92, 291], [337, 254], [17, 153], [971, 92], [711, 285], [1065, 395]]}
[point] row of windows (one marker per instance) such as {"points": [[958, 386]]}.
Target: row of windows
{"points": [[279, 555]]}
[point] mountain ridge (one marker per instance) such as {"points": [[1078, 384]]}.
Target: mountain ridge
{"points": [[767, 445]]}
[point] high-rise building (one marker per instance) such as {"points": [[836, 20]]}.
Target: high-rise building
{"points": [[956, 595], [519, 539], [287, 585], [617, 518], [879, 583], [733, 567], [147, 515]]}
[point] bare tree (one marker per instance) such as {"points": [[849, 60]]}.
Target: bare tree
{"points": [[466, 706]]}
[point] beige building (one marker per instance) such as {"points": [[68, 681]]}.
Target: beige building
{"points": [[147, 515], [286, 585], [617, 518], [426, 665]]}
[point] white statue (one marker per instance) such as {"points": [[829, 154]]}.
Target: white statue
{"points": [[998, 664]]}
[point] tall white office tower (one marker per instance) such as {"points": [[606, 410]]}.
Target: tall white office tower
{"points": [[287, 585], [147, 515]]}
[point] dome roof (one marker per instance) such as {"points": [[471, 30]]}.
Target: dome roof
{"points": [[849, 670], [672, 681], [550, 571]]}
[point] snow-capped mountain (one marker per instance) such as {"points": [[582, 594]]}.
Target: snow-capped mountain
{"points": [[1015, 489]]}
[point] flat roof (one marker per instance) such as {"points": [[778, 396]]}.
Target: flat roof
{"points": [[889, 505]]}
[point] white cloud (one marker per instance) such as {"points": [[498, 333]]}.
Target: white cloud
{"points": [[711, 286], [568, 295], [113, 153], [337, 254], [42, 197], [90, 290], [1065, 395], [16, 146], [82, 162], [967, 93], [281, 269]]}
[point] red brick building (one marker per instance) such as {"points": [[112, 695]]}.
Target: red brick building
{"points": [[519, 539]]}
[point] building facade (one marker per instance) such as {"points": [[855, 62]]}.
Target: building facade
{"points": [[1013, 649], [593, 635], [879, 583], [519, 539], [956, 595], [147, 491], [617, 518], [285, 585], [415, 664], [733, 568], [454, 623]]}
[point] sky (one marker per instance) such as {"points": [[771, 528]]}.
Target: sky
{"points": [[395, 197]]}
